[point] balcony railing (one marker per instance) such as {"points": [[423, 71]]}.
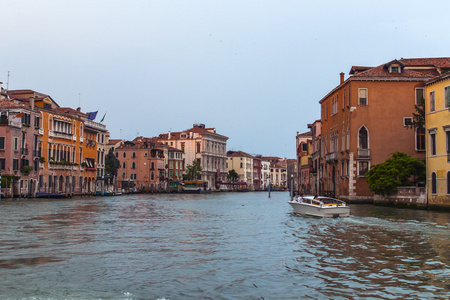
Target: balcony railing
{"points": [[24, 151], [331, 156], [61, 135], [363, 152], [92, 124], [36, 153]]}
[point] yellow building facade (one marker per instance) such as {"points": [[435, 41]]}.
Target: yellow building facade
{"points": [[437, 110]]}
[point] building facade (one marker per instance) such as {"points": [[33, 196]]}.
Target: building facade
{"points": [[366, 118], [437, 116], [203, 145]]}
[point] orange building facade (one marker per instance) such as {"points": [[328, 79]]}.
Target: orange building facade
{"points": [[367, 118]]}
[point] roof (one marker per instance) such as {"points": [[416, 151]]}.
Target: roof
{"points": [[114, 141], [412, 69], [238, 154], [8, 103]]}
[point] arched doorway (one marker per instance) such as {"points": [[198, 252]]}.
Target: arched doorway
{"points": [[61, 184]]}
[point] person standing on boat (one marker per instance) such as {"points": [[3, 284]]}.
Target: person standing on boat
{"points": [[300, 198]]}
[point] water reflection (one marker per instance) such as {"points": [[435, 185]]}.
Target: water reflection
{"points": [[218, 246]]}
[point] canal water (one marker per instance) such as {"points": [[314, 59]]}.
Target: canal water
{"points": [[218, 246]]}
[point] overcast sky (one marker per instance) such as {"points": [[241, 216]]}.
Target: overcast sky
{"points": [[254, 70]]}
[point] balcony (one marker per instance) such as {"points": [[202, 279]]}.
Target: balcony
{"points": [[23, 151], [95, 125], [363, 153], [61, 135], [36, 153], [41, 131], [332, 156]]}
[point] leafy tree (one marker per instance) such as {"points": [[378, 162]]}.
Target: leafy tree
{"points": [[399, 170], [418, 121], [112, 164], [232, 176], [193, 171]]}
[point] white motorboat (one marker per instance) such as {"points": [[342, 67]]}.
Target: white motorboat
{"points": [[321, 207]]}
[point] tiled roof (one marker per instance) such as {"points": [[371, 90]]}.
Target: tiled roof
{"points": [[238, 154], [7, 103], [70, 111]]}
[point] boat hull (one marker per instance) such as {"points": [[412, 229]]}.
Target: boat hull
{"points": [[323, 211]]}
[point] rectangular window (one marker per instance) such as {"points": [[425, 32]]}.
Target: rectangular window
{"points": [[304, 147], [2, 163], [420, 139], [433, 143], [36, 122], [343, 101], [2, 142], [16, 143], [419, 95], [198, 147], [362, 96], [447, 96], [407, 122], [432, 102], [15, 164], [363, 167], [447, 141]]}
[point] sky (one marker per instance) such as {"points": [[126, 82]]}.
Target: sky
{"points": [[254, 70]]}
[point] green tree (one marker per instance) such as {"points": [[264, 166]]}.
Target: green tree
{"points": [[193, 171], [112, 164], [418, 121], [232, 175], [399, 170]]}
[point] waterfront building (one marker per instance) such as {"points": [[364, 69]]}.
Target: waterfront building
{"points": [[292, 174], [304, 162], [257, 178], [176, 164], [367, 117], [67, 145], [437, 112], [142, 165], [19, 145], [265, 173], [278, 172], [242, 163], [315, 174], [203, 145]]}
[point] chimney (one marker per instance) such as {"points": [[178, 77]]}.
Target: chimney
{"points": [[78, 108], [342, 77], [32, 103], [170, 135]]}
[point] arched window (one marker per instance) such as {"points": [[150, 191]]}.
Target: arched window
{"points": [[133, 165], [433, 183], [123, 165], [152, 176], [363, 136]]}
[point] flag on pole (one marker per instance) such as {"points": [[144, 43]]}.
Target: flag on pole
{"points": [[103, 117], [19, 115], [92, 115]]}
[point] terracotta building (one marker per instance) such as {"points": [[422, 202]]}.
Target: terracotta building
{"points": [[365, 119], [142, 165]]}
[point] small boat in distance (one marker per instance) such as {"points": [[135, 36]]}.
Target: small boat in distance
{"points": [[321, 207], [196, 187]]}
